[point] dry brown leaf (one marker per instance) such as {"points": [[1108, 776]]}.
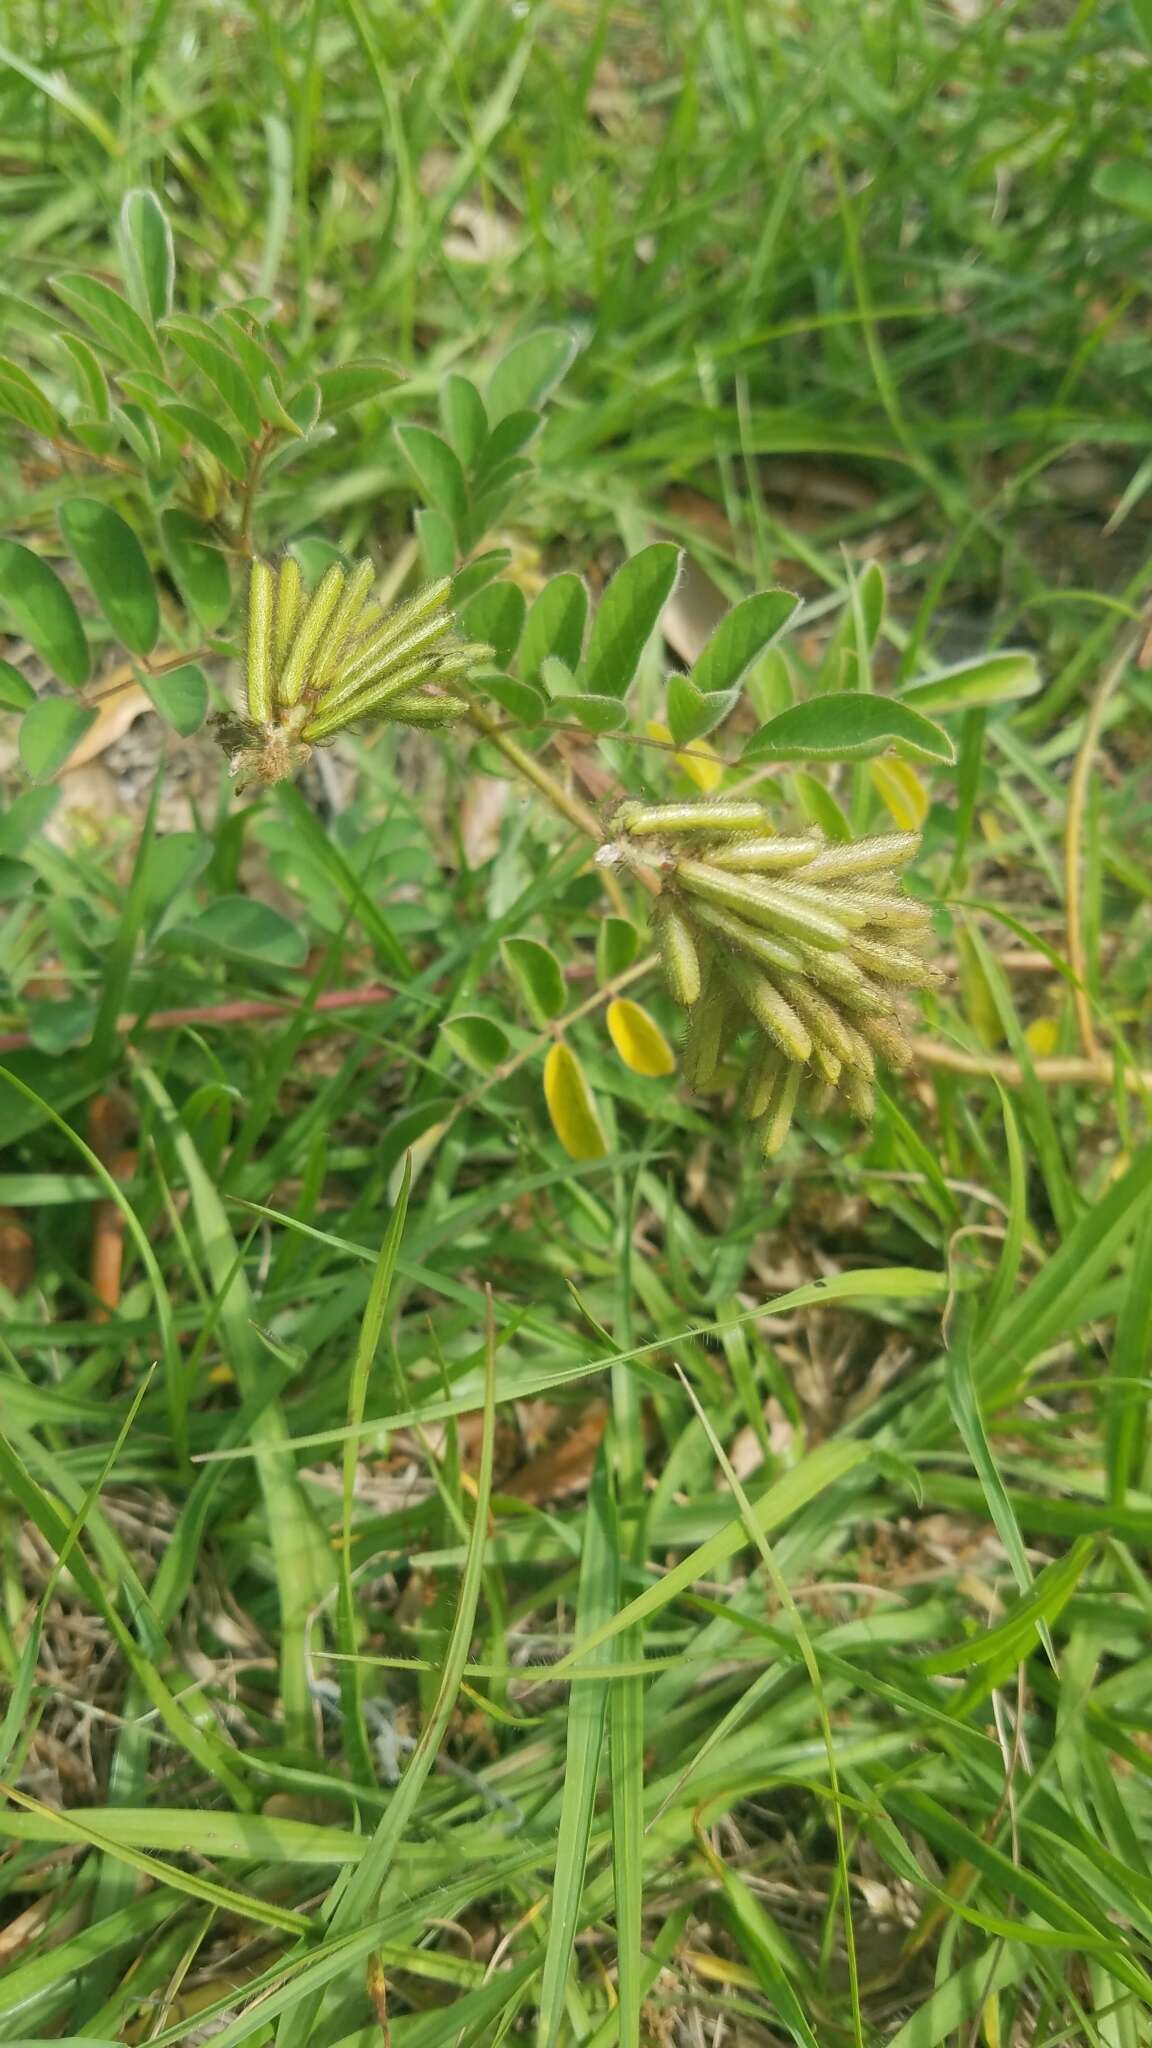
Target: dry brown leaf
{"points": [[116, 710], [565, 1467]]}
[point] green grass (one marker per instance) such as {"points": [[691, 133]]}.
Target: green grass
{"points": [[816, 1708]]}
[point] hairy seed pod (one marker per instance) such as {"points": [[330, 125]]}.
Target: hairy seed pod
{"points": [[759, 945], [817, 1094], [842, 904], [822, 1019], [860, 1055], [843, 979], [381, 653], [761, 902], [764, 856], [893, 963], [892, 913], [651, 820], [885, 1036], [392, 626], [289, 610], [420, 707], [763, 1071], [345, 620], [709, 1028], [773, 1014], [778, 1121], [859, 1094], [261, 601], [310, 636], [330, 715], [826, 1063], [864, 856], [679, 954]]}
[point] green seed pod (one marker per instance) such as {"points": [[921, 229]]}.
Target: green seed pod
{"points": [[345, 710], [778, 1121], [860, 1054], [885, 1037], [817, 1094], [679, 955], [758, 945], [310, 636], [859, 1094], [709, 1029], [821, 1017], [826, 1063], [764, 856], [761, 1075], [649, 820], [761, 902], [773, 1014], [381, 653], [864, 856], [843, 979], [289, 610], [420, 707], [842, 904], [893, 963], [391, 627], [895, 913], [345, 620], [261, 600]]}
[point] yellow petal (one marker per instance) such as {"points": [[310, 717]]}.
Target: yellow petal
{"points": [[572, 1106], [900, 790], [701, 766], [638, 1039]]}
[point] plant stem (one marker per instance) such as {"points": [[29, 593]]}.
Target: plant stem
{"points": [[577, 812]]}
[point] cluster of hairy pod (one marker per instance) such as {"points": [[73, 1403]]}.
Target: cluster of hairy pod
{"points": [[808, 942], [319, 662]]}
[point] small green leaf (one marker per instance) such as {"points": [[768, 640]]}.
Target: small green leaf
{"points": [[16, 693], [617, 945], [476, 575], [85, 361], [199, 568], [572, 1105], [505, 442], [496, 616], [531, 369], [464, 417], [538, 976], [741, 638], [437, 543], [438, 473], [627, 616], [16, 879], [25, 818], [147, 256], [210, 435], [692, 713], [848, 726], [181, 696], [220, 367], [42, 610], [140, 434], [595, 714], [1127, 184], [49, 731], [477, 1040], [22, 399], [355, 383], [554, 626], [244, 929], [112, 320], [117, 570], [990, 679], [820, 805], [522, 701]]}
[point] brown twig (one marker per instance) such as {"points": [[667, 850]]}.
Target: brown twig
{"points": [[109, 1120], [1099, 1072], [577, 812]]}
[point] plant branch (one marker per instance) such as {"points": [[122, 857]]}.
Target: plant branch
{"points": [[1098, 1072]]}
